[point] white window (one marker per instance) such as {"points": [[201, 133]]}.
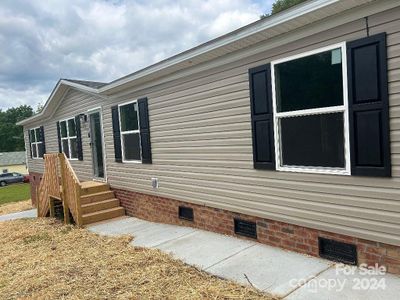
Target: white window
{"points": [[36, 143], [311, 111], [130, 132], [68, 138]]}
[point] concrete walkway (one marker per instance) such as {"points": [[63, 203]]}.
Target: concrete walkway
{"points": [[19, 215], [282, 273]]}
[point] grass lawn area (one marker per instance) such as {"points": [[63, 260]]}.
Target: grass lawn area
{"points": [[43, 259], [15, 192]]}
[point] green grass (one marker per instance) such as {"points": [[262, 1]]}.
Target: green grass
{"points": [[15, 192]]}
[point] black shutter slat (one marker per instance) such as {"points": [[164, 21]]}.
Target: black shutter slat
{"points": [[144, 131], [59, 137], [116, 134], [79, 147], [42, 139], [262, 117], [30, 142], [369, 106]]}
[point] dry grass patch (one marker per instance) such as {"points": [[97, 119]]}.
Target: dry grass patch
{"points": [[15, 207], [42, 259]]}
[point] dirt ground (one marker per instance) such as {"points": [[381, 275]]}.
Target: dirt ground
{"points": [[12, 207], [43, 259]]}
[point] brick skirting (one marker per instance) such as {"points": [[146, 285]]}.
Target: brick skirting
{"points": [[274, 233]]}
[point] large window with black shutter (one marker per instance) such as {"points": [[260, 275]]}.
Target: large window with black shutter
{"points": [[131, 132], [36, 142], [327, 111], [310, 111]]}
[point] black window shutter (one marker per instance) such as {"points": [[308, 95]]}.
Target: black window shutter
{"points": [[79, 147], [43, 145], [262, 117], [59, 137], [116, 133], [30, 142], [368, 106], [144, 131]]}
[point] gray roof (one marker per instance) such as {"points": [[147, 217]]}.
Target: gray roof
{"points": [[92, 84], [12, 158]]}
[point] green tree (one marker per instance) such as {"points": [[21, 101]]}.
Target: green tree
{"points": [[280, 5], [11, 135]]}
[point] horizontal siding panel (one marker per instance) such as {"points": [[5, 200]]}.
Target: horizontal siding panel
{"points": [[205, 129], [204, 116], [264, 187]]}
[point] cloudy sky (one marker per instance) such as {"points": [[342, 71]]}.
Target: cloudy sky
{"points": [[100, 40]]}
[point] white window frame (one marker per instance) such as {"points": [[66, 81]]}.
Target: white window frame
{"points": [[128, 132], [313, 111], [35, 144], [68, 138]]}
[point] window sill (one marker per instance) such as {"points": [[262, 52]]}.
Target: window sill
{"points": [[328, 171], [37, 158], [132, 161]]}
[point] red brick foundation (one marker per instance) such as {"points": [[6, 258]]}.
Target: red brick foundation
{"points": [[274, 233], [34, 179]]}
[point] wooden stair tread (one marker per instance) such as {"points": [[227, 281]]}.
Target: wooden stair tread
{"points": [[103, 215], [88, 184], [100, 205], [100, 202], [96, 194]]}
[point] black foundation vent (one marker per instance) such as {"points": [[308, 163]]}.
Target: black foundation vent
{"points": [[338, 251], [245, 228], [186, 213]]}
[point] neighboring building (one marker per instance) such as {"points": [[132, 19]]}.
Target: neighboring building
{"points": [[13, 162], [291, 123]]}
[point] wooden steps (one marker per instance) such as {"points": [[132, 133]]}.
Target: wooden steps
{"points": [[103, 215], [99, 203]]}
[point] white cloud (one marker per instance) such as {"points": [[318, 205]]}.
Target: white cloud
{"points": [[43, 41]]}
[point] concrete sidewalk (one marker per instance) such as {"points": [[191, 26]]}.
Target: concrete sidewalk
{"points": [[19, 215], [282, 273]]}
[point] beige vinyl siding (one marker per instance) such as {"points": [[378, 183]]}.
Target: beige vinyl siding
{"points": [[75, 102], [202, 147]]}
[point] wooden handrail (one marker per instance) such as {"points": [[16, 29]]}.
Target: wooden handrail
{"points": [[49, 185], [71, 190], [58, 164]]}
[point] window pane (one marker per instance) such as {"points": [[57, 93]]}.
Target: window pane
{"points": [[32, 134], [40, 149], [63, 128], [65, 147], [131, 146], [37, 134], [310, 82], [313, 141], [129, 117], [71, 127], [34, 152], [74, 151]]}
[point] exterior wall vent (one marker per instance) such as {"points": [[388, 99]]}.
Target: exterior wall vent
{"points": [[154, 183], [246, 228], [186, 213], [337, 251]]}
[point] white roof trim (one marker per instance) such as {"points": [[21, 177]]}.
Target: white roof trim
{"points": [[59, 85]]}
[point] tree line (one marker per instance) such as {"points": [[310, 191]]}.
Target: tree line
{"points": [[11, 135]]}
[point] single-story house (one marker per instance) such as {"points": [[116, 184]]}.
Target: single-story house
{"points": [[286, 131], [13, 162]]}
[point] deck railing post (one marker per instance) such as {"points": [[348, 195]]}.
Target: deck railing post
{"points": [[78, 203], [64, 193]]}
